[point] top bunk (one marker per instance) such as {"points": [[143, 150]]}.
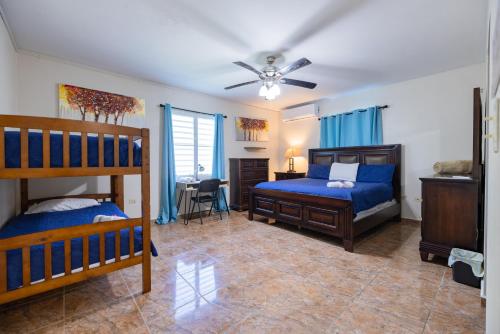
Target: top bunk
{"points": [[37, 147]]}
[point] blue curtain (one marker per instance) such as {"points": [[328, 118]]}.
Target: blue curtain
{"points": [[168, 208], [218, 166], [357, 128]]}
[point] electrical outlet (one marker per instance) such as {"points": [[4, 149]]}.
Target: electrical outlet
{"points": [[132, 201]]}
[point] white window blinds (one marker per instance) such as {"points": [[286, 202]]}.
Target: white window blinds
{"points": [[193, 144]]}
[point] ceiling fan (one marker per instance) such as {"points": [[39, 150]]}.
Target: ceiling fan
{"points": [[271, 76]]}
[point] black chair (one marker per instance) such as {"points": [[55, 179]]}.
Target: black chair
{"points": [[208, 192]]}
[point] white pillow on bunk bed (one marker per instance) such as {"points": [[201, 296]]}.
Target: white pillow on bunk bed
{"points": [[344, 172], [61, 204]]}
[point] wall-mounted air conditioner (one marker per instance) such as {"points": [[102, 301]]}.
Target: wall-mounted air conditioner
{"points": [[299, 113]]}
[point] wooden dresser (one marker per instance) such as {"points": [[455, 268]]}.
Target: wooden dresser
{"points": [[245, 173], [451, 216], [452, 208]]}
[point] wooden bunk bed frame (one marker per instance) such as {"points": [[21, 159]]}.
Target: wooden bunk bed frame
{"points": [[329, 215], [116, 195]]}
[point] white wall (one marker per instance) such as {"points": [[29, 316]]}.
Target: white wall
{"points": [[8, 85], [430, 116], [38, 80], [492, 229]]}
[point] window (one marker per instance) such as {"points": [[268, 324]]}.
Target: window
{"points": [[193, 144]]}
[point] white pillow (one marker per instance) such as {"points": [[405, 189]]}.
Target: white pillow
{"points": [[344, 172], [61, 204]]}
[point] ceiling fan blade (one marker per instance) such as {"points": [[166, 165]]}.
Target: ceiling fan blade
{"points": [[295, 66], [242, 84], [300, 83], [248, 67]]}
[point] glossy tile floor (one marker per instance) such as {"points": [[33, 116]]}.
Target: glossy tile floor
{"points": [[237, 276]]}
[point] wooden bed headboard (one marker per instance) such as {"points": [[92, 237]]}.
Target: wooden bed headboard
{"points": [[369, 155]]}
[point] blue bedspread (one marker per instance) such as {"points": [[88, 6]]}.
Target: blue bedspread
{"points": [[364, 195], [25, 224], [35, 149]]}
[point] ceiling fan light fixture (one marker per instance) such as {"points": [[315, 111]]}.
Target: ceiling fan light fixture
{"points": [[270, 97], [263, 91], [271, 76], [275, 90]]}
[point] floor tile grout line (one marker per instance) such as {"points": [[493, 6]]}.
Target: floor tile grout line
{"points": [[135, 302], [434, 301]]}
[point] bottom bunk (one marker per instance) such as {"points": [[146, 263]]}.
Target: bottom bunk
{"points": [[45, 250]]}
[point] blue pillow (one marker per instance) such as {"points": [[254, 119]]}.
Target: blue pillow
{"points": [[376, 173], [318, 171]]}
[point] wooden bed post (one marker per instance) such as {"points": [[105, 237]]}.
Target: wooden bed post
{"points": [[117, 191], [24, 195], [348, 230], [250, 204], [146, 221]]}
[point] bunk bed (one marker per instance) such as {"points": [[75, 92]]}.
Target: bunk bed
{"points": [[44, 251]]}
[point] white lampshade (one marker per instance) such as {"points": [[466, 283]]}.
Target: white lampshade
{"points": [[263, 91], [275, 90]]}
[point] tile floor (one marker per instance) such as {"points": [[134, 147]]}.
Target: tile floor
{"points": [[238, 276]]}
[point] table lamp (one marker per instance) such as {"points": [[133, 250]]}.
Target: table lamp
{"points": [[290, 154]]}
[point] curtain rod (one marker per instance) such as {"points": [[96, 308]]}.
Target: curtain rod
{"points": [[380, 107], [194, 111]]}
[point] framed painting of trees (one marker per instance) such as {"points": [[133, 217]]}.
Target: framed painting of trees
{"points": [[98, 106], [251, 129]]}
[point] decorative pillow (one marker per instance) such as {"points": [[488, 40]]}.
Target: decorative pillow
{"points": [[344, 172], [376, 173], [62, 204], [318, 171]]}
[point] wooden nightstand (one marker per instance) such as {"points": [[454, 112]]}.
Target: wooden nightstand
{"points": [[288, 176]]}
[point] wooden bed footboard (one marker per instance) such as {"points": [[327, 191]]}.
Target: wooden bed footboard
{"points": [[322, 214], [47, 238]]}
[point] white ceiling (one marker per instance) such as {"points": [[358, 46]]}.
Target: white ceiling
{"points": [[353, 44]]}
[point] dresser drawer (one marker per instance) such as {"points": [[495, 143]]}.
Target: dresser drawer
{"points": [[245, 164], [250, 164], [254, 174], [261, 163]]}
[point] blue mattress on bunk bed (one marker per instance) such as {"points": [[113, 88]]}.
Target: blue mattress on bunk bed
{"points": [[35, 150], [364, 195], [26, 224]]}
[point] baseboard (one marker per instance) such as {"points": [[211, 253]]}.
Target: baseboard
{"points": [[411, 221]]}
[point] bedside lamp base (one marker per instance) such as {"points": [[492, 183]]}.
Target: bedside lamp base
{"points": [[290, 166]]}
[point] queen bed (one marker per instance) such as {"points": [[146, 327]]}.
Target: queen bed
{"points": [[340, 212]]}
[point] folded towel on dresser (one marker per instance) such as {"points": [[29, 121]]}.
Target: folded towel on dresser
{"points": [[453, 167]]}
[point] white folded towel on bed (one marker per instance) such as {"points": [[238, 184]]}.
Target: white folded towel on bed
{"points": [[340, 184], [104, 218]]}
